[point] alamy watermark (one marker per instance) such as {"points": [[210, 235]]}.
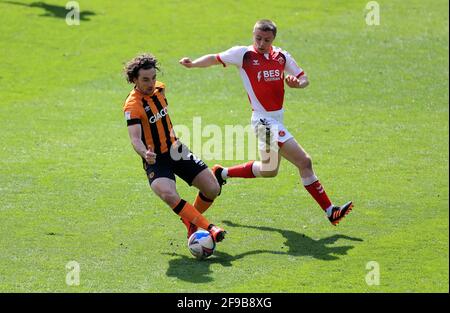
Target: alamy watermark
{"points": [[232, 142], [73, 16], [373, 276], [73, 274], [373, 13], [212, 142]]}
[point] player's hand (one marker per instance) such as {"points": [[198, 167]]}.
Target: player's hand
{"points": [[292, 81], [295, 82], [186, 62], [150, 156]]}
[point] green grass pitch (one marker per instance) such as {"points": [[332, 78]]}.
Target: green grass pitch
{"points": [[374, 119]]}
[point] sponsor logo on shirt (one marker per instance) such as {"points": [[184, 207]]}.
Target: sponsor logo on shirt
{"points": [[156, 117], [269, 75], [259, 76]]}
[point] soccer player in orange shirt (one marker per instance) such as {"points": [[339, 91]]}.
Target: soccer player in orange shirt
{"points": [[262, 69], [163, 155]]}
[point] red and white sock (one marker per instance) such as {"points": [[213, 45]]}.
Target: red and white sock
{"points": [[316, 190], [241, 170]]}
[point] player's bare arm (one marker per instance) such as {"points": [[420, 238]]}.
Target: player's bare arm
{"points": [[134, 131], [204, 61], [294, 82]]}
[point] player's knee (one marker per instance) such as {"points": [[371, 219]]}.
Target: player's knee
{"points": [[169, 197], [308, 162], [212, 191], [269, 174], [304, 163]]}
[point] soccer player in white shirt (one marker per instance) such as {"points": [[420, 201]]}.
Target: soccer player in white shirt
{"points": [[262, 68]]}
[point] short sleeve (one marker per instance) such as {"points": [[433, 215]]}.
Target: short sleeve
{"points": [[132, 114], [292, 67], [233, 56]]}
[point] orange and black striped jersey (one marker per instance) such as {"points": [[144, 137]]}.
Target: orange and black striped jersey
{"points": [[150, 111]]}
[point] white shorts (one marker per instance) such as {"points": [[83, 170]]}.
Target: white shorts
{"points": [[269, 128]]}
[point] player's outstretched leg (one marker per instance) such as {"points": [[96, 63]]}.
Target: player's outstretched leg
{"points": [[165, 188], [201, 204], [338, 213], [188, 213]]}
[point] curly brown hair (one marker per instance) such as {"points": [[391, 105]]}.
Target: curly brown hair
{"points": [[143, 61]]}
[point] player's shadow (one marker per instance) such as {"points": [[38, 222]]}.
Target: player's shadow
{"points": [[192, 270], [189, 269], [301, 245], [52, 10]]}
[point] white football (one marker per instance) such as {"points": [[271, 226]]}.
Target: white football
{"points": [[201, 244]]}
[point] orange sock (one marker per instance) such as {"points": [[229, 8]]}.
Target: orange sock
{"points": [[188, 211], [202, 203]]}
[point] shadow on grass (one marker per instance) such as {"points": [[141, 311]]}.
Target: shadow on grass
{"points": [[192, 270], [51, 10], [301, 245], [297, 244]]}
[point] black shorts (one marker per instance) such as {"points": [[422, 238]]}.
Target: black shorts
{"points": [[181, 162]]}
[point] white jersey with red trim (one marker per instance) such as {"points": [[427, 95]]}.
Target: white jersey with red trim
{"points": [[262, 74]]}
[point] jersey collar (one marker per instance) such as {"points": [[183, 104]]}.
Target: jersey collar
{"points": [[270, 55], [256, 50], [141, 94]]}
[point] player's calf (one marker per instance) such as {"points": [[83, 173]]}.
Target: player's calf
{"points": [[211, 191]]}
